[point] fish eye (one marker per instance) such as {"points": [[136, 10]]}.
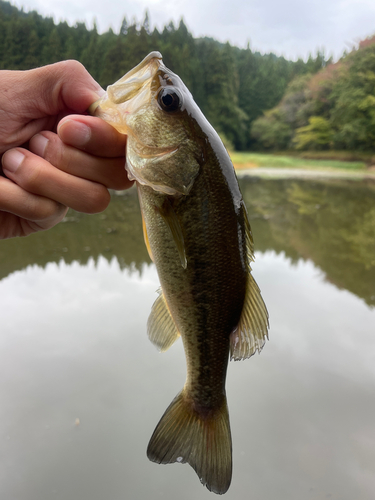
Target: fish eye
{"points": [[169, 99]]}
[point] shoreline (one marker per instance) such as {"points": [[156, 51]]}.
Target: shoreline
{"points": [[275, 172]]}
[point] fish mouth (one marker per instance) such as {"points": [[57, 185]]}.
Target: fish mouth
{"points": [[136, 80], [128, 94]]}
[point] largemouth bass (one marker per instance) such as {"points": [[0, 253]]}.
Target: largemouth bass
{"points": [[197, 233]]}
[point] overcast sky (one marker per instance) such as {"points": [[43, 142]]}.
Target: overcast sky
{"points": [[291, 28]]}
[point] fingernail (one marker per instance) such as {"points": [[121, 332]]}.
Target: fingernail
{"points": [[38, 144], [12, 160], [75, 133]]}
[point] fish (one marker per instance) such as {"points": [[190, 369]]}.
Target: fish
{"points": [[197, 233]]}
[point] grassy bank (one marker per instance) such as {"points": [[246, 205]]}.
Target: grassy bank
{"points": [[253, 160]]}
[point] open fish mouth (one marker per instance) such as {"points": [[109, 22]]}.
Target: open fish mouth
{"points": [[136, 80], [128, 94]]}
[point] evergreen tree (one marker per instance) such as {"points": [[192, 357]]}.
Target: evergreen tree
{"points": [[146, 23], [92, 56], [124, 27], [114, 66], [53, 49]]}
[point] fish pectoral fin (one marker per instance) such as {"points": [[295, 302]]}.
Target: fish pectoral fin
{"points": [[252, 330], [161, 328], [183, 435], [170, 218]]}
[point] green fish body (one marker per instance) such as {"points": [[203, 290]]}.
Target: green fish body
{"points": [[198, 235]]}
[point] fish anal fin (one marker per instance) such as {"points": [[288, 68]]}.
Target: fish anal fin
{"points": [[184, 435], [170, 218], [161, 328], [252, 330]]}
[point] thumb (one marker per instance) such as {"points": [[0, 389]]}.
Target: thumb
{"points": [[61, 87]]}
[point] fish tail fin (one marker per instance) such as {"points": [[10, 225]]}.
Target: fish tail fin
{"points": [[199, 438]]}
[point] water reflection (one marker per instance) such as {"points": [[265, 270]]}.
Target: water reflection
{"points": [[73, 345], [116, 232], [331, 223]]}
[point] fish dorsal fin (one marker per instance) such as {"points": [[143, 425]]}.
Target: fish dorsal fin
{"points": [[248, 237], [170, 218], [161, 328], [252, 330]]}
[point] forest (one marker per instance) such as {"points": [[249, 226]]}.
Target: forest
{"points": [[255, 101]]}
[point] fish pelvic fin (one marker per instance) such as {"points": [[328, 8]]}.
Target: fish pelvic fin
{"points": [[145, 237], [252, 330], [200, 438], [161, 328]]}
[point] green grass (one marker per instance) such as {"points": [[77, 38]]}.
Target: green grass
{"points": [[243, 160]]}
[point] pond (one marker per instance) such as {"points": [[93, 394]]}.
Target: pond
{"points": [[82, 388]]}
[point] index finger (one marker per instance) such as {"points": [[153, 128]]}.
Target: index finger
{"points": [[93, 135]]}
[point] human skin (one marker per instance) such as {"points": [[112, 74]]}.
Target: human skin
{"points": [[53, 155]]}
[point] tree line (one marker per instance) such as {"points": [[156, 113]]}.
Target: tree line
{"points": [[232, 86]]}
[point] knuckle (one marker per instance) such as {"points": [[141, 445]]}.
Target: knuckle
{"points": [[31, 174], [55, 153], [39, 209], [73, 66]]}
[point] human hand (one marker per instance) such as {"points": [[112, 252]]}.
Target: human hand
{"points": [[71, 168]]}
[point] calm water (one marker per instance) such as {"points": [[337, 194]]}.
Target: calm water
{"points": [[82, 388]]}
